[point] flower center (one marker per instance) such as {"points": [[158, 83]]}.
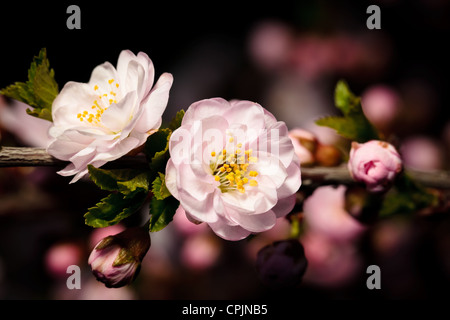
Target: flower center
{"points": [[231, 169], [105, 99]]}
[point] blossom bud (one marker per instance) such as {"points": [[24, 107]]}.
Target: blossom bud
{"points": [[116, 259], [282, 263], [327, 155], [376, 163], [304, 145]]}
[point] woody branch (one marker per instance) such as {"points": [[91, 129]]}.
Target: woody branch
{"points": [[38, 157]]}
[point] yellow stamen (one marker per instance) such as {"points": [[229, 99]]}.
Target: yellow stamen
{"points": [[253, 173], [213, 154], [253, 183]]}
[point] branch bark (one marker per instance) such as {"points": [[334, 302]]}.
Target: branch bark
{"points": [[37, 157]]}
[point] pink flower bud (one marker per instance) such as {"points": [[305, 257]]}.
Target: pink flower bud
{"points": [[376, 163], [116, 260], [305, 144]]}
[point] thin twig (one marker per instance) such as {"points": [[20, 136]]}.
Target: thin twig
{"points": [[37, 157]]}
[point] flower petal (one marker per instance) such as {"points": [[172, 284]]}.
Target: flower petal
{"points": [[154, 104], [292, 182], [228, 232], [171, 179], [74, 98], [136, 72], [118, 115], [199, 210], [254, 223], [284, 206], [100, 76], [204, 109], [246, 113]]}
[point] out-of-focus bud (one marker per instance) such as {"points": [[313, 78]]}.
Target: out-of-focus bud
{"points": [[381, 105], [281, 264], [116, 260], [327, 155], [422, 153], [376, 163], [364, 206], [60, 256], [325, 214], [305, 144]]}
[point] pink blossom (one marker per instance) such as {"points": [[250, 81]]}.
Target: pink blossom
{"points": [[376, 163], [109, 116], [233, 166], [325, 214]]}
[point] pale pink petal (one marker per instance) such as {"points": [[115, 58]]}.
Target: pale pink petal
{"points": [[154, 104], [118, 115], [284, 206], [199, 210], [100, 77], [292, 182], [128, 66], [246, 113], [227, 232], [254, 223], [198, 187], [204, 109]]}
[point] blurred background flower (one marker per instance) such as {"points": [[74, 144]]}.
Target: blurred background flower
{"points": [[287, 57]]}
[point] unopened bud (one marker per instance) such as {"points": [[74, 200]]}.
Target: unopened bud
{"points": [[327, 155], [281, 264], [375, 163], [304, 145], [116, 259]]}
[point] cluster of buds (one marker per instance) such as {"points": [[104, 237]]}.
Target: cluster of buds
{"points": [[311, 151]]}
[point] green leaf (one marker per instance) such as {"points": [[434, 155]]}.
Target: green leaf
{"points": [[159, 188], [157, 150], [115, 179], [406, 197], [344, 99], [39, 91], [113, 209], [176, 121], [162, 212], [353, 124], [139, 182], [356, 127]]}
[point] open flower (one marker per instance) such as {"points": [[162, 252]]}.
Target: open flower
{"points": [[233, 166], [376, 163], [109, 116]]}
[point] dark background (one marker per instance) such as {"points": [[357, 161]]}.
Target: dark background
{"points": [[169, 30]]}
